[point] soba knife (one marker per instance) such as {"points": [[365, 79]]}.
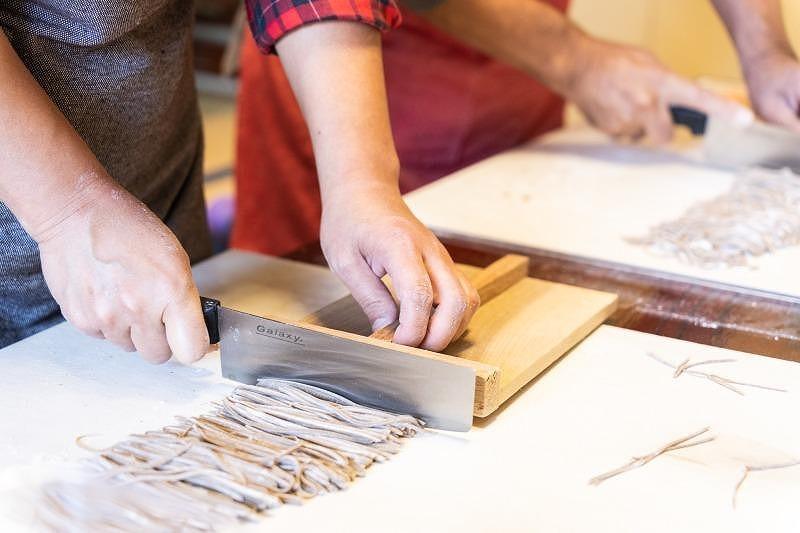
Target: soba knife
{"points": [[367, 371], [732, 146]]}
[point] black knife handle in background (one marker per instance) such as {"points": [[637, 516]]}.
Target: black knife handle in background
{"points": [[211, 317], [693, 119]]}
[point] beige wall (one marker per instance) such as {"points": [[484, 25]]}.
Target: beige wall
{"points": [[685, 34]]}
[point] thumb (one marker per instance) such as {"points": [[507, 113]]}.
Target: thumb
{"points": [[186, 331], [682, 92]]}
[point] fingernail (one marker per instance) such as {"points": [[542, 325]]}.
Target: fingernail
{"points": [[381, 323]]}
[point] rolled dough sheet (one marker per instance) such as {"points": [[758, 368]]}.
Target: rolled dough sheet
{"points": [[574, 192], [525, 470]]}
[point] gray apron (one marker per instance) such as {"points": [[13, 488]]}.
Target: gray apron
{"points": [[121, 72]]}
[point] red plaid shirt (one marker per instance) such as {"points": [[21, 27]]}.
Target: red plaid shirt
{"points": [[272, 19]]}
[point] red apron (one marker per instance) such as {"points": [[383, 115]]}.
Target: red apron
{"points": [[450, 106]]}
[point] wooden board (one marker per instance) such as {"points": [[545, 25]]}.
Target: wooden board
{"points": [[723, 316], [511, 339], [576, 193]]}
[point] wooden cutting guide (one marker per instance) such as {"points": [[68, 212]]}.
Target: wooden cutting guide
{"points": [[576, 193], [521, 328]]}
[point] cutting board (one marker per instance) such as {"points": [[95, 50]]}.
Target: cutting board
{"points": [[576, 193], [512, 338]]}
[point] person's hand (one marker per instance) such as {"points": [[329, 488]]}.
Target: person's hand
{"points": [[774, 83], [119, 273], [626, 92], [372, 233]]}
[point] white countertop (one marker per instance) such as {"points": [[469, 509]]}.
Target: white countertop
{"points": [[575, 192], [525, 470]]}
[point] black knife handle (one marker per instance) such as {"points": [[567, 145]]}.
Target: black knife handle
{"points": [[210, 308], [693, 119]]}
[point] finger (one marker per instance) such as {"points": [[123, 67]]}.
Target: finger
{"points": [[120, 336], [186, 332], [82, 323], [415, 291], [629, 134], [614, 126], [783, 112], [619, 118], [473, 300], [113, 324], [150, 340], [636, 135], [628, 130], [453, 304], [658, 125], [369, 292], [680, 91], [82, 316]]}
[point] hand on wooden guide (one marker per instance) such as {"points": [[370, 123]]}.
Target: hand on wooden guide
{"points": [[774, 82], [768, 60], [369, 236]]}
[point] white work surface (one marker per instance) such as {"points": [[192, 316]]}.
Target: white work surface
{"points": [[525, 470], [574, 192]]}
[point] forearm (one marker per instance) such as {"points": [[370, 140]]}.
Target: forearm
{"points": [[45, 167], [769, 64], [336, 71], [367, 231], [756, 27], [530, 35]]}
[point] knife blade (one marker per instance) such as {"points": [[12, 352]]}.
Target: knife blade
{"points": [[735, 146], [252, 347]]}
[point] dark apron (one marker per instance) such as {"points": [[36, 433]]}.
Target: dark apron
{"points": [[121, 72]]}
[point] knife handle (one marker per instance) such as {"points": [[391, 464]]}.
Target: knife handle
{"points": [[210, 309], [693, 119], [489, 282]]}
